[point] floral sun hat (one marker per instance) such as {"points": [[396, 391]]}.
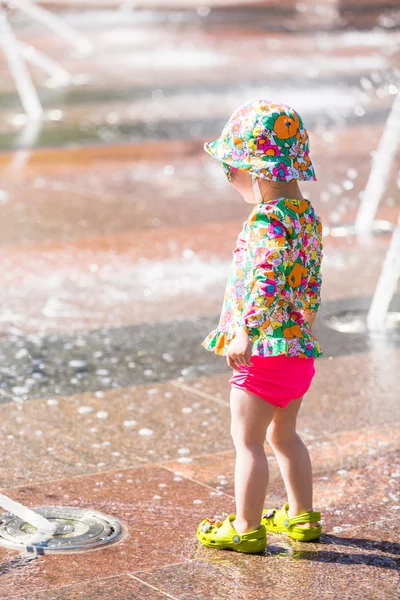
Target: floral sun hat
{"points": [[267, 140]]}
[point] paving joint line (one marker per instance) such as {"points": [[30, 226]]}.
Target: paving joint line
{"points": [[146, 464], [152, 587], [219, 492], [162, 463], [193, 390]]}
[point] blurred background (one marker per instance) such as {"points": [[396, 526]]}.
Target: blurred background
{"points": [[112, 216], [116, 232]]}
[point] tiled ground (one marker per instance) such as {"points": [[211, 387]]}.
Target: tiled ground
{"points": [[115, 235]]}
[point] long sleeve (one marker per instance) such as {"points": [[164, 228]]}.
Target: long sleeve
{"points": [[312, 294], [268, 246]]}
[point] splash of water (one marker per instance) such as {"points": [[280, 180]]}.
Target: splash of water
{"points": [[29, 98], [55, 24], [380, 171], [387, 284], [43, 526]]}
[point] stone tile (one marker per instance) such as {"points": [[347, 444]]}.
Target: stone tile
{"points": [[113, 588], [348, 498], [152, 503], [91, 433], [355, 474], [328, 572], [347, 391], [217, 471], [36, 366], [379, 536]]}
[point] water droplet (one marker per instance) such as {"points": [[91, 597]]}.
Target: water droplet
{"points": [[157, 94], [203, 11], [52, 402], [19, 390], [84, 410], [366, 84], [183, 451], [102, 414], [352, 173], [381, 92], [187, 409], [112, 118], [197, 501], [76, 364], [348, 185], [55, 115], [145, 431], [359, 111], [169, 170], [130, 423]]}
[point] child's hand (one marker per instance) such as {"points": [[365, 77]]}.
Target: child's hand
{"points": [[239, 351]]}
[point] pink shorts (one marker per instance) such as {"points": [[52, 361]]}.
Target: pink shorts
{"points": [[276, 379]]}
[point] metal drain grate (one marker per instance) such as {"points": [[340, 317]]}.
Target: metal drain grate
{"points": [[77, 530]]}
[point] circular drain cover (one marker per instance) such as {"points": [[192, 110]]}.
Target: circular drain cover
{"points": [[77, 530]]}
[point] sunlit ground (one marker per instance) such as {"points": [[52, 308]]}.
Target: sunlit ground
{"points": [[116, 231]]}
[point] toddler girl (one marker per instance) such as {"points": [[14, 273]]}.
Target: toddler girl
{"points": [[272, 296]]}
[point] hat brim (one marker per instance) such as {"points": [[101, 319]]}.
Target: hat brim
{"points": [[254, 165]]}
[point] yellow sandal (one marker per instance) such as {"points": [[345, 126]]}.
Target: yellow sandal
{"points": [[278, 521], [221, 534]]}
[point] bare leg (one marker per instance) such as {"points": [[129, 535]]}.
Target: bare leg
{"points": [[250, 418], [293, 459]]}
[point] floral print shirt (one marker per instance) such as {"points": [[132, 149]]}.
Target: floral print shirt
{"points": [[274, 278]]}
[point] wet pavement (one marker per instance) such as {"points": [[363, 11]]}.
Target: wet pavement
{"points": [[115, 235]]}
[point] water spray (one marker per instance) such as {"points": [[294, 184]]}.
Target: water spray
{"points": [[18, 54]]}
